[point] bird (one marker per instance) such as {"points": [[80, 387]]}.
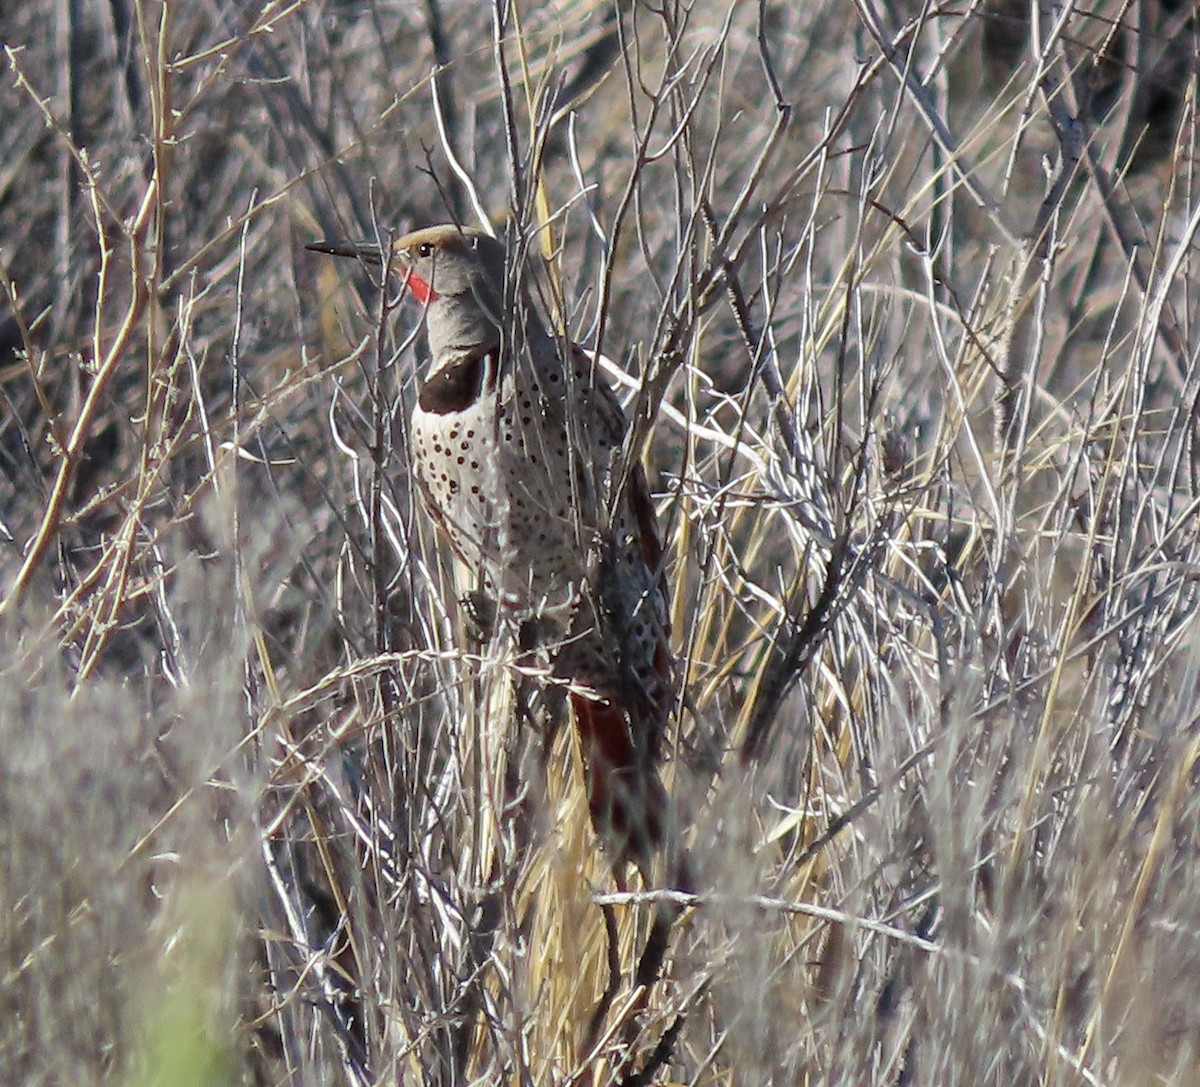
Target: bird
{"points": [[516, 447]]}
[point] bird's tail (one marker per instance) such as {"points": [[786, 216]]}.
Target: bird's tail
{"points": [[629, 811], [625, 796]]}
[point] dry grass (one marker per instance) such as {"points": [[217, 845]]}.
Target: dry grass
{"points": [[901, 299]]}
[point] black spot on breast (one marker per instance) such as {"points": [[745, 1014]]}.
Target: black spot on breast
{"points": [[457, 386]]}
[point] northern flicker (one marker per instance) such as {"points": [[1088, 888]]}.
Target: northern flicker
{"points": [[514, 447]]}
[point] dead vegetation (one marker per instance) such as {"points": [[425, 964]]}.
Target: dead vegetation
{"points": [[900, 298]]}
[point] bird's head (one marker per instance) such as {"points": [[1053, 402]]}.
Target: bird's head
{"points": [[449, 262], [457, 274]]}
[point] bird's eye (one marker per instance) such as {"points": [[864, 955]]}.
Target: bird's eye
{"points": [[424, 249]]}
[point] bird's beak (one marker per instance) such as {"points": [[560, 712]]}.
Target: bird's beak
{"points": [[368, 252], [372, 256]]}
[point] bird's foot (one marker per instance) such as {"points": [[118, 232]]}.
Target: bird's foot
{"points": [[479, 614]]}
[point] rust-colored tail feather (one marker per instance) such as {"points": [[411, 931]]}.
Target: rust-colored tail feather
{"points": [[625, 796]]}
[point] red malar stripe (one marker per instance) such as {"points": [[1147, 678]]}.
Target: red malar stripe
{"points": [[423, 292]]}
